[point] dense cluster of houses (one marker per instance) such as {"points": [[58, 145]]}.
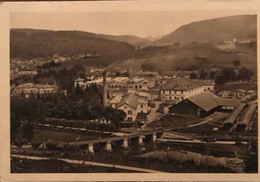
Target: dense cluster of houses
{"points": [[29, 66], [136, 96]]}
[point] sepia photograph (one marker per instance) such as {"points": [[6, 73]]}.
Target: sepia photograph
{"points": [[133, 92], [94, 97]]}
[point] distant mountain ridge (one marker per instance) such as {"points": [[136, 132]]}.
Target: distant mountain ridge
{"points": [[31, 43], [213, 31], [184, 45], [131, 39]]}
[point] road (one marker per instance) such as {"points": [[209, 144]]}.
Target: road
{"points": [[90, 163]]}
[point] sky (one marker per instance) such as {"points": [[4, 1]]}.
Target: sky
{"points": [[142, 24]]}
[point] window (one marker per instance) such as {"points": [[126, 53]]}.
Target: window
{"points": [[142, 111], [170, 92], [170, 98], [129, 112], [129, 119], [142, 105], [181, 92]]}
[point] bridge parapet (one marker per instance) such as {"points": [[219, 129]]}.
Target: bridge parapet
{"points": [[108, 147], [140, 140], [125, 144], [91, 148], [154, 138]]}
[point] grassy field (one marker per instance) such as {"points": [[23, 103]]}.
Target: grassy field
{"points": [[45, 135]]}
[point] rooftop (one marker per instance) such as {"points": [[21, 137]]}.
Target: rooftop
{"points": [[181, 84], [208, 100], [205, 100], [130, 99]]}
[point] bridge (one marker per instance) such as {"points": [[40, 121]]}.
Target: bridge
{"points": [[123, 141]]}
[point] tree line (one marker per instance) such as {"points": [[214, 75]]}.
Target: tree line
{"points": [[224, 75]]}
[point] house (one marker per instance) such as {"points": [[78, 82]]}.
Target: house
{"points": [[208, 85], [180, 89], [116, 83], [131, 104], [228, 45], [204, 104], [113, 102], [83, 84]]}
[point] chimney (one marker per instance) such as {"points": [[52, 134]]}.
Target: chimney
{"points": [[104, 89]]}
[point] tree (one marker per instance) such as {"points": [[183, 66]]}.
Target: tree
{"points": [[245, 74], [236, 62], [114, 115], [28, 131], [193, 76], [36, 145], [51, 145], [212, 75], [228, 74], [78, 90], [220, 80], [203, 74]]}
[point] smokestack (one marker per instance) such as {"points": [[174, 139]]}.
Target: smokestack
{"points": [[104, 89]]}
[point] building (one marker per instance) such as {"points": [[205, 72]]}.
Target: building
{"points": [[29, 88], [208, 85], [131, 104], [83, 84], [135, 83], [246, 121], [113, 102], [204, 104], [27, 72], [179, 89], [228, 45]]}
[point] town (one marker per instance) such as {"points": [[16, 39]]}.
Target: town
{"points": [[77, 113], [168, 107]]}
